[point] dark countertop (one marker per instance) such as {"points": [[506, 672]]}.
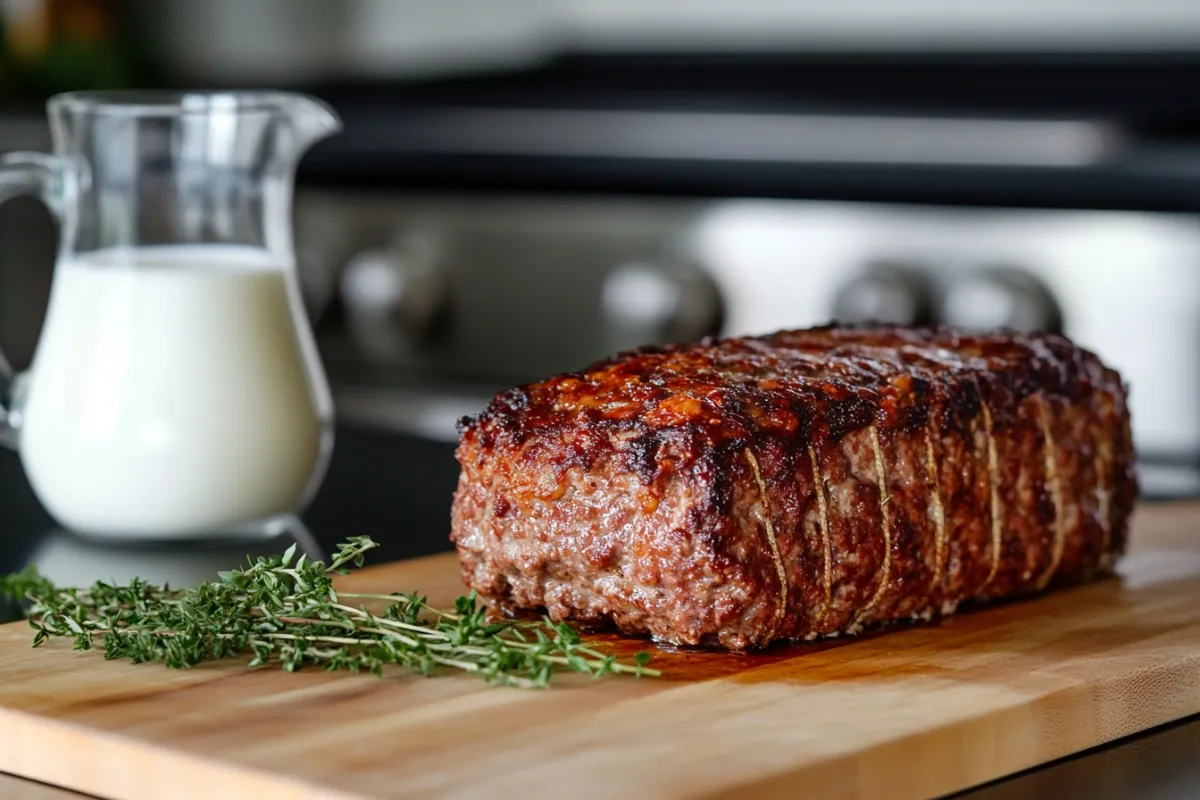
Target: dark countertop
{"points": [[393, 488], [397, 490]]}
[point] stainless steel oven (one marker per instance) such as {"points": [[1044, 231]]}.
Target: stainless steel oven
{"points": [[435, 302]]}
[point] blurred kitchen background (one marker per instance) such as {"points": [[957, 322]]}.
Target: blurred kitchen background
{"points": [[526, 185]]}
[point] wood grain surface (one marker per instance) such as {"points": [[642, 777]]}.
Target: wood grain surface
{"points": [[914, 712]]}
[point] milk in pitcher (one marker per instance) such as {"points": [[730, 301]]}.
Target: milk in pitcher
{"points": [[169, 393]]}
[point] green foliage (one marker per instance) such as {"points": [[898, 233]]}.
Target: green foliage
{"points": [[283, 611]]}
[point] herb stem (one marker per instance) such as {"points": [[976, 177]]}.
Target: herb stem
{"points": [[286, 611]]}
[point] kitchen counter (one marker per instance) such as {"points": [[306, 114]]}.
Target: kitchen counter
{"points": [[394, 488], [14, 788], [397, 490]]}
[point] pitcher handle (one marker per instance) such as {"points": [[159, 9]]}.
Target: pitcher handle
{"points": [[49, 178]]}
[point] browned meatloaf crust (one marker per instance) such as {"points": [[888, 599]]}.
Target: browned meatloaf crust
{"points": [[797, 485]]}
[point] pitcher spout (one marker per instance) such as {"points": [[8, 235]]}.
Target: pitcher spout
{"points": [[310, 118]]}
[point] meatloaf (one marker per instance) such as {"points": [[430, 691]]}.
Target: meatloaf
{"points": [[796, 485]]}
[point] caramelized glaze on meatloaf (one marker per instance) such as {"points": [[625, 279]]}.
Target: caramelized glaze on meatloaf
{"points": [[796, 485]]}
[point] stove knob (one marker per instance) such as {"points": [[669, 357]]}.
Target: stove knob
{"points": [[394, 296], [648, 303], [885, 292], [1001, 297]]}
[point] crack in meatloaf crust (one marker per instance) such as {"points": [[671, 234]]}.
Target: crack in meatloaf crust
{"points": [[796, 485]]}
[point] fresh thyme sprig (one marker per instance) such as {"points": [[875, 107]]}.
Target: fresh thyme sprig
{"points": [[284, 610]]}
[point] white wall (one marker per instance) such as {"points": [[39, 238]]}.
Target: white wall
{"points": [[885, 24], [281, 39]]}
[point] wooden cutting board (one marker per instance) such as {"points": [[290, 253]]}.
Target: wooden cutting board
{"points": [[915, 712]]}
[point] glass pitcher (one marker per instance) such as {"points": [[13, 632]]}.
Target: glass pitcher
{"points": [[176, 390]]}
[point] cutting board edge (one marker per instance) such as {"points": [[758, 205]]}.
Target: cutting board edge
{"points": [[981, 729], [98, 753]]}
